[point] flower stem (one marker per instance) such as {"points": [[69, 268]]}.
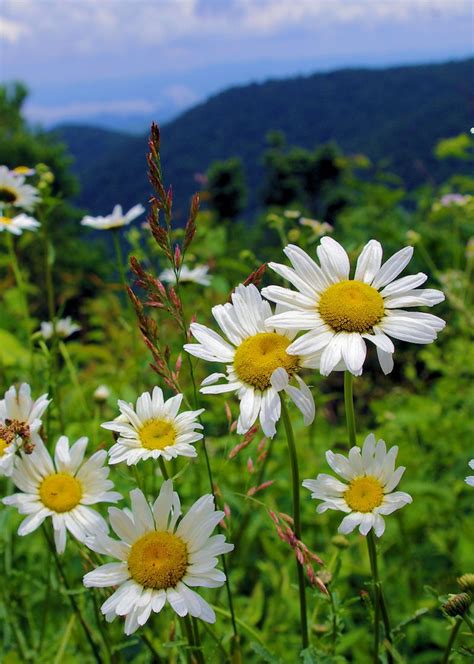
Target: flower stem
{"points": [[196, 655], [468, 622], [451, 640], [72, 599], [162, 465], [296, 518], [20, 285], [375, 577], [349, 407]]}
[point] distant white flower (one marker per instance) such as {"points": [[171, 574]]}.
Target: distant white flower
{"points": [[101, 393], [64, 328], [16, 225], [319, 228], [470, 478], [258, 365], [161, 558], [115, 220], [454, 199], [24, 170], [62, 490], [153, 429], [18, 406], [341, 313], [14, 191], [198, 275], [369, 493]]}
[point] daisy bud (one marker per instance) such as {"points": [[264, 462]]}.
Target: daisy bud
{"points": [[457, 605], [101, 393], [466, 583]]}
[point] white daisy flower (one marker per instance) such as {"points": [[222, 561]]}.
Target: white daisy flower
{"points": [[154, 429], [27, 171], [7, 454], [101, 393], [115, 220], [14, 191], [18, 406], [470, 478], [341, 313], [198, 275], [62, 490], [161, 558], [16, 225], [369, 494], [64, 328], [259, 366]]}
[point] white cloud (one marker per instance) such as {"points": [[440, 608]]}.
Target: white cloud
{"points": [[83, 110], [12, 31], [181, 95]]}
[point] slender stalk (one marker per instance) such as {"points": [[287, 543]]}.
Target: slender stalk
{"points": [[468, 622], [72, 599], [451, 640], [162, 465], [156, 657], [196, 655], [375, 577], [296, 518], [349, 407], [20, 284]]}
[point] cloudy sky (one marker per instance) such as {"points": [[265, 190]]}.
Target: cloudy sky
{"points": [[83, 59]]}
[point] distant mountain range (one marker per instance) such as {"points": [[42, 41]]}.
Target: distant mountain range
{"points": [[394, 116]]}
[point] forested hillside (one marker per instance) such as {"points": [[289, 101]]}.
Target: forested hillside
{"points": [[394, 116]]}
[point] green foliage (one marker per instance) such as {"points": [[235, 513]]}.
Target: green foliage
{"points": [[226, 188]]}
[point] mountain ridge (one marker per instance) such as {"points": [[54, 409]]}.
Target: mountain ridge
{"points": [[395, 114]]}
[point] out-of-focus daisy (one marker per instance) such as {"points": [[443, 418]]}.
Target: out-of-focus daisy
{"points": [[470, 478], [19, 407], [319, 228], [14, 191], [453, 199], [101, 393], [258, 365], [64, 328], [198, 275], [161, 558], [62, 490], [27, 171], [115, 220], [16, 225], [341, 313], [369, 493], [153, 428]]}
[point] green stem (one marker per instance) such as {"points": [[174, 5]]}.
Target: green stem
{"points": [[72, 599], [20, 284], [451, 640], [468, 622], [196, 655], [296, 517], [162, 465], [375, 577], [349, 407]]}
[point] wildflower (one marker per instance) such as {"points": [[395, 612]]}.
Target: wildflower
{"points": [[470, 478], [466, 583], [454, 199], [24, 170], [258, 365], [153, 429], [19, 407], [198, 275], [161, 557], [115, 220], [62, 490], [16, 225], [64, 327], [340, 313], [101, 393], [14, 191], [319, 228], [457, 605], [369, 495]]}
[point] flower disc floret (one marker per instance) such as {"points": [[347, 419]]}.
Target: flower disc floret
{"points": [[364, 494], [351, 306], [7, 195], [157, 434], [158, 560], [257, 357], [3, 446], [60, 492]]}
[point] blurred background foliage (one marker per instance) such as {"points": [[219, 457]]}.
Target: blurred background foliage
{"points": [[425, 406]]}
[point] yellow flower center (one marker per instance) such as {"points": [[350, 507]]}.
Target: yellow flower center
{"points": [[60, 492], [6, 221], [8, 195], [364, 494], [257, 358], [157, 434], [351, 306], [22, 170], [3, 446], [158, 560]]}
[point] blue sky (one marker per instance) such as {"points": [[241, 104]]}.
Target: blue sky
{"points": [[83, 59]]}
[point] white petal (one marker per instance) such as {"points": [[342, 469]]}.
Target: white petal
{"points": [[369, 261], [392, 268]]}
